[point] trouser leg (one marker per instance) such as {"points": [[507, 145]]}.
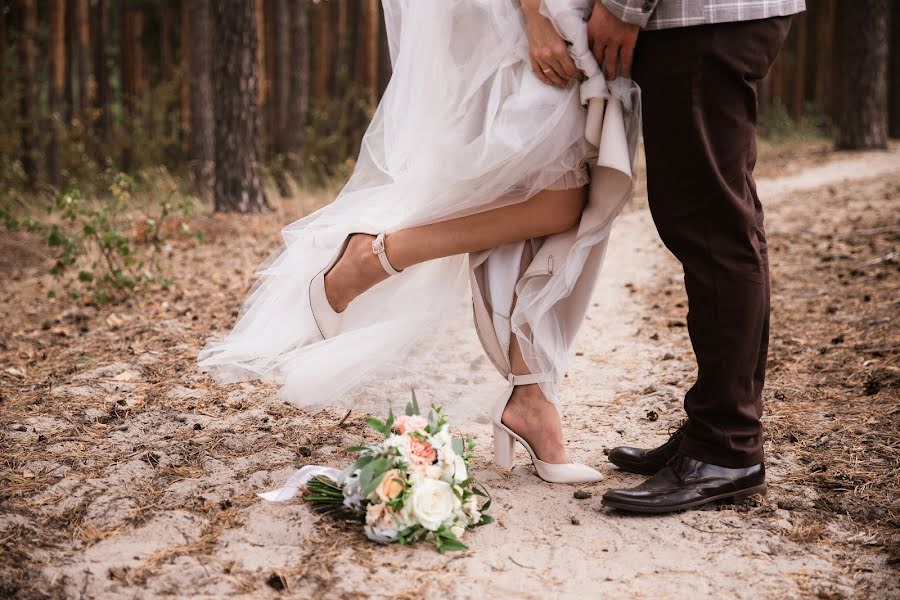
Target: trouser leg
{"points": [[699, 105]]}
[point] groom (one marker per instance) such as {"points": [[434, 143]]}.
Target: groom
{"points": [[698, 63]]}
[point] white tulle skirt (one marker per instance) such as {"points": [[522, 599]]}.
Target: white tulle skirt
{"points": [[464, 126]]}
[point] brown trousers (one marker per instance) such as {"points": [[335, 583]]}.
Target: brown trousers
{"points": [[699, 89]]}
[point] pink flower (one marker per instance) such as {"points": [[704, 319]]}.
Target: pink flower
{"points": [[421, 452], [406, 423]]}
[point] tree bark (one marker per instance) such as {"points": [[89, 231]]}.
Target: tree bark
{"points": [[29, 100], [70, 98], [184, 84], [202, 121], [282, 71], [238, 184], [99, 17], [323, 42], [298, 106], [263, 86], [798, 98], [83, 46], [384, 55], [371, 30], [2, 50], [131, 62], [57, 32], [863, 28], [894, 98]]}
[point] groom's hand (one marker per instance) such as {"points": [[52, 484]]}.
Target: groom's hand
{"points": [[549, 53], [612, 41]]}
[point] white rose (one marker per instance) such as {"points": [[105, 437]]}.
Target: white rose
{"points": [[400, 442], [460, 473], [458, 531], [441, 438], [431, 503], [433, 472]]}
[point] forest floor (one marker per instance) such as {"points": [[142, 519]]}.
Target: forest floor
{"points": [[127, 474]]}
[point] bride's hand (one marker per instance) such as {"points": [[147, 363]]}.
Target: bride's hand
{"points": [[549, 53]]}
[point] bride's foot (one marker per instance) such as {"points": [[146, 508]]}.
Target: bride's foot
{"points": [[357, 270], [529, 414]]}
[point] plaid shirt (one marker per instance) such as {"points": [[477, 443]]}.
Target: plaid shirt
{"points": [[666, 14]]}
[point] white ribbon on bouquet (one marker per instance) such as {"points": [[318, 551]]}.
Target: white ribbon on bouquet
{"points": [[296, 481]]}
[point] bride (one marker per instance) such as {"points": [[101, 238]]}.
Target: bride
{"points": [[484, 167]]}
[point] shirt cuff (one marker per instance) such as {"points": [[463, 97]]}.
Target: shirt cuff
{"points": [[635, 12]]}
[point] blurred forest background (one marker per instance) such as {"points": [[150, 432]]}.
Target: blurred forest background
{"points": [[195, 104]]}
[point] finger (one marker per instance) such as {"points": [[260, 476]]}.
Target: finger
{"points": [[536, 69], [554, 72], [610, 62], [627, 57], [568, 66], [598, 49], [599, 53]]}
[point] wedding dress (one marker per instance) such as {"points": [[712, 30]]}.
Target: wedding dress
{"points": [[464, 126]]}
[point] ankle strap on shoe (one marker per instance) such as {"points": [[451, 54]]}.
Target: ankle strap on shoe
{"points": [[378, 249], [528, 379]]}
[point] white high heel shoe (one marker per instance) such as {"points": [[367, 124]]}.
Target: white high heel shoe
{"points": [[505, 444], [329, 320]]}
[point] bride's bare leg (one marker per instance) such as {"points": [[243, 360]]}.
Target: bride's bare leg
{"points": [[528, 412], [546, 213]]}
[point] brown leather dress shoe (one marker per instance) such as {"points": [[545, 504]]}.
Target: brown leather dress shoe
{"points": [[688, 483], [647, 461]]}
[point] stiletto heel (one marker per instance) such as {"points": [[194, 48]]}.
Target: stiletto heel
{"points": [[505, 438], [504, 449], [327, 319]]}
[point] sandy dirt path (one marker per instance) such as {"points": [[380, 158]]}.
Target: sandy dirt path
{"points": [[200, 532]]}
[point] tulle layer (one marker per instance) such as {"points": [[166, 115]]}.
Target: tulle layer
{"points": [[464, 126]]}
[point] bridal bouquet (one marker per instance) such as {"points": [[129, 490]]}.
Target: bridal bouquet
{"points": [[412, 486]]}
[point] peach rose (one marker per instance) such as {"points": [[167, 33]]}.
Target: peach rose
{"points": [[405, 423], [390, 486], [421, 452]]}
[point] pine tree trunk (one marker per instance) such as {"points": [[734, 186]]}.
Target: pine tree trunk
{"points": [[201, 97], [384, 55], [184, 84], [57, 33], [825, 55], [298, 106], [29, 100], [2, 50], [894, 99], [70, 99], [99, 16], [263, 91], [238, 184], [800, 26], [323, 42], [371, 19], [83, 45], [166, 49], [282, 80], [863, 28], [131, 76], [268, 114]]}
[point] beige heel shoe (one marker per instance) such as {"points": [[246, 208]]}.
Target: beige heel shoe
{"points": [[327, 319], [505, 444]]}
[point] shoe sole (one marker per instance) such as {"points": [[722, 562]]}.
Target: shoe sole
{"points": [[734, 497]]}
